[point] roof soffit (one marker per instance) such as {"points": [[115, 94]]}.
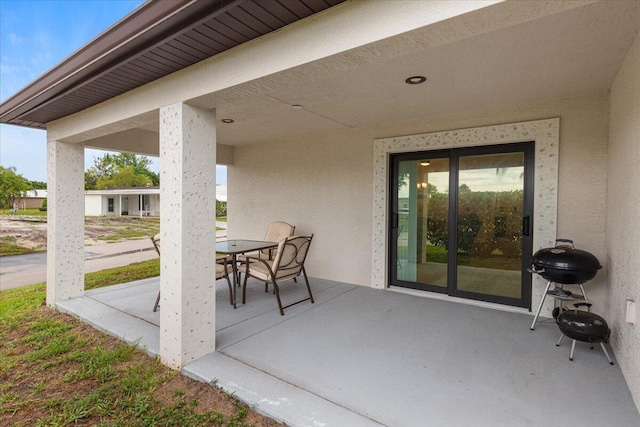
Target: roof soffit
{"points": [[157, 39]]}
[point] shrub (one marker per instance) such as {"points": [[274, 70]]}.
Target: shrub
{"points": [[43, 208], [221, 208]]}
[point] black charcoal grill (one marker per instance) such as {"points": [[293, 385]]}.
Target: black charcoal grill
{"points": [[563, 264], [583, 326]]}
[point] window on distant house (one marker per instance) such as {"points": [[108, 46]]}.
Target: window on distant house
{"points": [[110, 205]]}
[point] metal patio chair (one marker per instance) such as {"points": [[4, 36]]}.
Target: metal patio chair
{"points": [[223, 268], [276, 231], [287, 264]]}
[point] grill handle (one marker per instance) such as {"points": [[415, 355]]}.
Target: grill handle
{"points": [[533, 270], [568, 242]]}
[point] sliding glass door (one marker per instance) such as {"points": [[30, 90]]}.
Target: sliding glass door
{"points": [[460, 222]]}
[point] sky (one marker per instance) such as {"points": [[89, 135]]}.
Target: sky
{"points": [[35, 35]]}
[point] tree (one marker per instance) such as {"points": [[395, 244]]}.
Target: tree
{"points": [[12, 186], [38, 185], [221, 208], [124, 177], [120, 170], [90, 179]]}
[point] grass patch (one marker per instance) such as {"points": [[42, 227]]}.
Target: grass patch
{"points": [[9, 246], [129, 273], [26, 212], [123, 228], [495, 260], [57, 371]]}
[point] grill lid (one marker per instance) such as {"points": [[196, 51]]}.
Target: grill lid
{"points": [[565, 258]]}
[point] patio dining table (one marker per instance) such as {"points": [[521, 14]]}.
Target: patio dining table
{"points": [[236, 247]]}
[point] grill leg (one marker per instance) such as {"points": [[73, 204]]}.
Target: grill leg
{"points": [[584, 294], [544, 295], [560, 340], [605, 353], [573, 348]]}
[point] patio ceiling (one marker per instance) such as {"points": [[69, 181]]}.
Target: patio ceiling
{"points": [[573, 53], [469, 64]]}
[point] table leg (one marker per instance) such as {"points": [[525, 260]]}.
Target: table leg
{"points": [[234, 267]]}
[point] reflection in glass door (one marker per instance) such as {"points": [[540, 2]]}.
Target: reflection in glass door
{"points": [[422, 220], [460, 222], [490, 211]]}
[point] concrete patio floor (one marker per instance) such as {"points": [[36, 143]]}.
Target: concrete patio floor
{"points": [[360, 357]]}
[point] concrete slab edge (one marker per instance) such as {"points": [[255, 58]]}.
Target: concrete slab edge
{"points": [[133, 251], [272, 396], [131, 330]]}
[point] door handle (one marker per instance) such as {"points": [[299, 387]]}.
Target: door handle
{"points": [[526, 226], [394, 220]]}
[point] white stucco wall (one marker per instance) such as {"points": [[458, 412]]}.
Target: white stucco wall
{"points": [[93, 204], [623, 217], [324, 185]]}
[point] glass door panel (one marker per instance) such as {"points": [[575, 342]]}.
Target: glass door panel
{"points": [[490, 210], [460, 222], [422, 221]]}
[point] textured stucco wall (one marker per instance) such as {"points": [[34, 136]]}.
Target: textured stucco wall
{"points": [[65, 221], [324, 184], [623, 217], [187, 227]]}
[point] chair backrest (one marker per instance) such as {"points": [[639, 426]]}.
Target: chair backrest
{"points": [[290, 256], [277, 231], [156, 242]]}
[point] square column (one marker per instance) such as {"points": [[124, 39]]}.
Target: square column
{"points": [[65, 221], [188, 233]]}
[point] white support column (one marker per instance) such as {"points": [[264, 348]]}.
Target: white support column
{"points": [[65, 221], [187, 226]]}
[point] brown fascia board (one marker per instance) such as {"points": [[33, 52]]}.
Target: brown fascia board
{"points": [[151, 24]]}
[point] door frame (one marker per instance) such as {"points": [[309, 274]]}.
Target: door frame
{"points": [[545, 134], [454, 155]]}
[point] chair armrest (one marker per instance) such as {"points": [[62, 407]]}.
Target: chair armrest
{"points": [[251, 257]]}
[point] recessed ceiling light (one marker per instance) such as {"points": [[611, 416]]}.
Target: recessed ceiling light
{"points": [[297, 107], [425, 163], [416, 80], [227, 121]]}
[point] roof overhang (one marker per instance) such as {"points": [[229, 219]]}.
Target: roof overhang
{"points": [[155, 40]]}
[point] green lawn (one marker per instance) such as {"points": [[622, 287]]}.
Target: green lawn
{"points": [[494, 260], [10, 246], [25, 212], [57, 371]]}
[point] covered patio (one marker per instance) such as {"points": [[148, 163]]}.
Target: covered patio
{"points": [[307, 105], [362, 357]]}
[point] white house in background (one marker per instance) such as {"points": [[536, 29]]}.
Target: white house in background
{"points": [[325, 107], [134, 201], [221, 193]]}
